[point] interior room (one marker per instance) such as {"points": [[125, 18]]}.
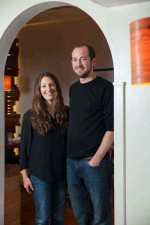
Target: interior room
{"points": [[33, 38]]}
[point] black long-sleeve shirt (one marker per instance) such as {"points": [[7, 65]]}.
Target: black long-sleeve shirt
{"points": [[43, 156], [90, 116]]}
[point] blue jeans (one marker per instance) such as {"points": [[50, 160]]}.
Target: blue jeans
{"points": [[49, 198], [89, 189]]}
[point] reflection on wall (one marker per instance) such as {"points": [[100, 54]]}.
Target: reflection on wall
{"points": [[140, 51]]}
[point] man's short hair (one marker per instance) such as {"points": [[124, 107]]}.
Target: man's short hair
{"points": [[91, 50]]}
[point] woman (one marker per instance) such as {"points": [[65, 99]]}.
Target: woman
{"points": [[42, 150]]}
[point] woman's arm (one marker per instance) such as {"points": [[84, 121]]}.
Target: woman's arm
{"points": [[25, 148]]}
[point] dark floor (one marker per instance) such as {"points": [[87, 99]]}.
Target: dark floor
{"points": [[28, 213]]}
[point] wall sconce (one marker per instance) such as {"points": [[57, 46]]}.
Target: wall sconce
{"points": [[7, 83], [140, 52]]}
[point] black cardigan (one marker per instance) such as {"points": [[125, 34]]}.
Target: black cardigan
{"points": [[43, 156]]}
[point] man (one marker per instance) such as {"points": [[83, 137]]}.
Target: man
{"points": [[90, 135]]}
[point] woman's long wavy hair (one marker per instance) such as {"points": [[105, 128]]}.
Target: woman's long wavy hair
{"points": [[40, 117]]}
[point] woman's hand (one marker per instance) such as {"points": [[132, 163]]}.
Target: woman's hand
{"points": [[27, 182]]}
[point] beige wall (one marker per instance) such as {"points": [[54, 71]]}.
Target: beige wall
{"points": [[48, 46]]}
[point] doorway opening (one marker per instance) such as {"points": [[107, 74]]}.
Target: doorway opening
{"points": [[45, 43]]}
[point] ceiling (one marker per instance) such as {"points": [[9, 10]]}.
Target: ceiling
{"points": [[72, 13], [58, 14], [112, 3]]}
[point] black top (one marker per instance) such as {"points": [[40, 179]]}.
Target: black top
{"points": [[43, 156], [90, 116]]}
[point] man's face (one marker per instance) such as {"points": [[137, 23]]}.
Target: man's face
{"points": [[81, 62]]}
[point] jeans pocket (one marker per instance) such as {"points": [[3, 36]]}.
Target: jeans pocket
{"points": [[87, 162]]}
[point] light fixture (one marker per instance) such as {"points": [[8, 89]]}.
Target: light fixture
{"points": [[7, 83], [140, 52]]}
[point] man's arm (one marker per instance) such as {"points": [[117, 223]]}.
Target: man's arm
{"points": [[106, 143]]}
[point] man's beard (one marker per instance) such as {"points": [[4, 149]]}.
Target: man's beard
{"points": [[85, 74]]}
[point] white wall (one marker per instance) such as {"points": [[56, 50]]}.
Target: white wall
{"points": [[136, 118], [132, 108]]}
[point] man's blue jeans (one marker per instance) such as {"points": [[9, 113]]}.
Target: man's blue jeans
{"points": [[89, 189], [49, 198]]}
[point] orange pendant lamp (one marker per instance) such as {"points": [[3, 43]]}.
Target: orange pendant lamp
{"points": [[140, 52]]}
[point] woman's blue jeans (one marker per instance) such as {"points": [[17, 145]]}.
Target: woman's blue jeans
{"points": [[49, 198], [89, 189]]}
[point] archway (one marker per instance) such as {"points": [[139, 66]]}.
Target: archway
{"points": [[5, 44]]}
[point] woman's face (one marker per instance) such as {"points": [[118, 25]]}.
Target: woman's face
{"points": [[48, 89]]}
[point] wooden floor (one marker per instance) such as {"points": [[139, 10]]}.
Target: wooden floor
{"points": [[12, 195], [28, 212]]}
